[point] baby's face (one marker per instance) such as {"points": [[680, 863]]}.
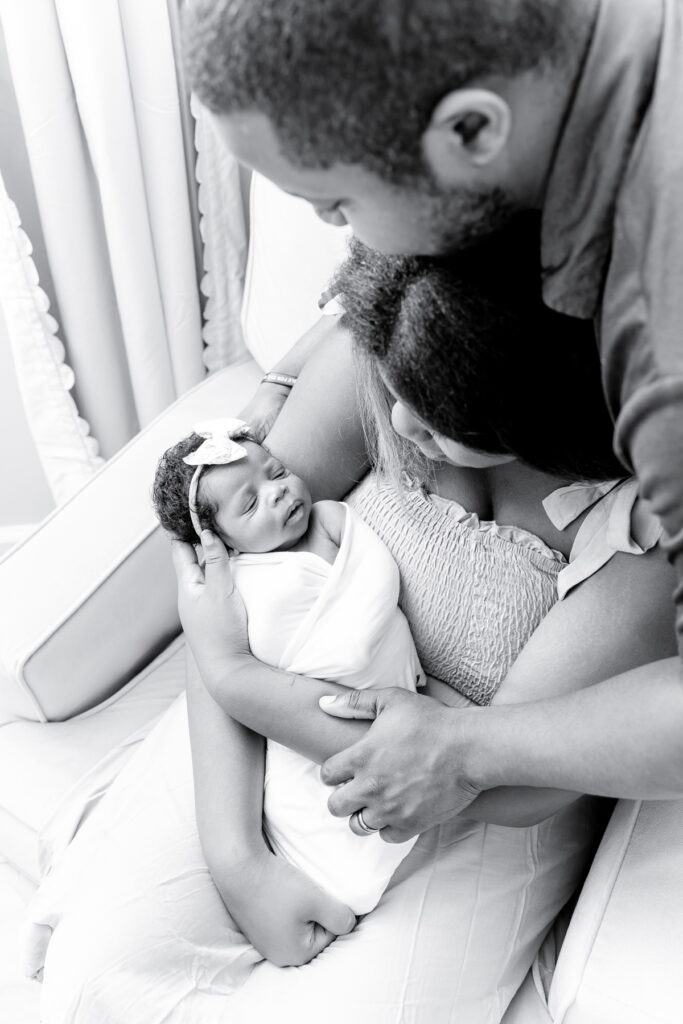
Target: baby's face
{"points": [[261, 506]]}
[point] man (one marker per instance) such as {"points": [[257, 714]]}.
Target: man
{"points": [[425, 125]]}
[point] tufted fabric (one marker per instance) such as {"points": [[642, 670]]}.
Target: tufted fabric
{"points": [[472, 596]]}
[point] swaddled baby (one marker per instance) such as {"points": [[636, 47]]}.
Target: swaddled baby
{"points": [[321, 595]]}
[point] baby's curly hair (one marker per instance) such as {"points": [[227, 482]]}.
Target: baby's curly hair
{"points": [[171, 490]]}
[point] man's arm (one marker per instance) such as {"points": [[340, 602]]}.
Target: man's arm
{"points": [[618, 738], [614, 637], [422, 763]]}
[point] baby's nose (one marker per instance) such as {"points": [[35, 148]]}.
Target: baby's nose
{"points": [[278, 491]]}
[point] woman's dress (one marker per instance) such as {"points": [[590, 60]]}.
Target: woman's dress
{"points": [[140, 933]]}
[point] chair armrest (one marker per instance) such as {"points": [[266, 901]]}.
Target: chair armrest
{"points": [[90, 597], [621, 957]]}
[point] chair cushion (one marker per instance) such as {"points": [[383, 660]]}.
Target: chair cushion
{"points": [[292, 255], [621, 959], [43, 762]]}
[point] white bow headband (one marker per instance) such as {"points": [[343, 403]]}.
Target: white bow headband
{"points": [[218, 449]]}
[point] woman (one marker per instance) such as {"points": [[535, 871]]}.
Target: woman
{"points": [[459, 925]]}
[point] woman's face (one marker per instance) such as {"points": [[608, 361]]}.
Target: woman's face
{"points": [[437, 447]]}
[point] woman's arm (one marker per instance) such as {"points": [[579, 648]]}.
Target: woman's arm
{"points": [[319, 435], [612, 622], [228, 766], [280, 705], [265, 405], [287, 917]]}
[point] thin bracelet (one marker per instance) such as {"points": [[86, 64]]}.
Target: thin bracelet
{"points": [[285, 379]]}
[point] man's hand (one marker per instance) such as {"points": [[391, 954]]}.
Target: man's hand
{"points": [[408, 773], [211, 610], [286, 916], [264, 408]]}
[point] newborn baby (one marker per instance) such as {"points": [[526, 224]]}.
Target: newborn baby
{"points": [[321, 594]]}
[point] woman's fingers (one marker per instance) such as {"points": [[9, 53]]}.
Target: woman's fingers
{"points": [[187, 569], [217, 572], [348, 799]]}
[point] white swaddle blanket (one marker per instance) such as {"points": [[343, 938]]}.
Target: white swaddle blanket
{"points": [[339, 622]]}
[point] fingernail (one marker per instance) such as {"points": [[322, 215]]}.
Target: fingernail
{"points": [[325, 702], [208, 539]]}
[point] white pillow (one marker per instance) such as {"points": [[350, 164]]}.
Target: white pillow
{"points": [[292, 256]]}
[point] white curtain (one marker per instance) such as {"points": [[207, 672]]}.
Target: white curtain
{"points": [[98, 93]]}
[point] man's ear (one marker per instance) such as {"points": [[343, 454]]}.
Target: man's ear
{"points": [[468, 129]]}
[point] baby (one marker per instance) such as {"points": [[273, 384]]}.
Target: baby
{"points": [[321, 594]]}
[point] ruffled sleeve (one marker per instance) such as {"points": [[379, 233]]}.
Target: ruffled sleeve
{"points": [[618, 521]]}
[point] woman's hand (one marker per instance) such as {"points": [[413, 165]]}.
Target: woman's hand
{"points": [[286, 916], [264, 407], [211, 610], [408, 773]]}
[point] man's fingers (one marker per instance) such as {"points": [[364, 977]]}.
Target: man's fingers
{"points": [[361, 821], [338, 768], [354, 704], [348, 799], [217, 563], [396, 835], [185, 563]]}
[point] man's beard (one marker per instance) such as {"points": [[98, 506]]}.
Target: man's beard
{"points": [[460, 218]]}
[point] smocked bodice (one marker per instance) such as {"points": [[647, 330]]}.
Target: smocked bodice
{"points": [[472, 596]]}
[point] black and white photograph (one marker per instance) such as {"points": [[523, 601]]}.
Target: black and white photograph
{"points": [[341, 517]]}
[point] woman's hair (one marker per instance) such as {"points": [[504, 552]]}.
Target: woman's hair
{"points": [[171, 490], [466, 343]]}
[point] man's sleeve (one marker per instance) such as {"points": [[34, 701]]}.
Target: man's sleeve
{"points": [[641, 346], [650, 431]]}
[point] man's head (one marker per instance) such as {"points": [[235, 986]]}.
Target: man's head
{"points": [[399, 117]]}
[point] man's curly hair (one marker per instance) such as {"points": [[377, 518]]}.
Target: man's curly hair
{"points": [[356, 81], [171, 491]]}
